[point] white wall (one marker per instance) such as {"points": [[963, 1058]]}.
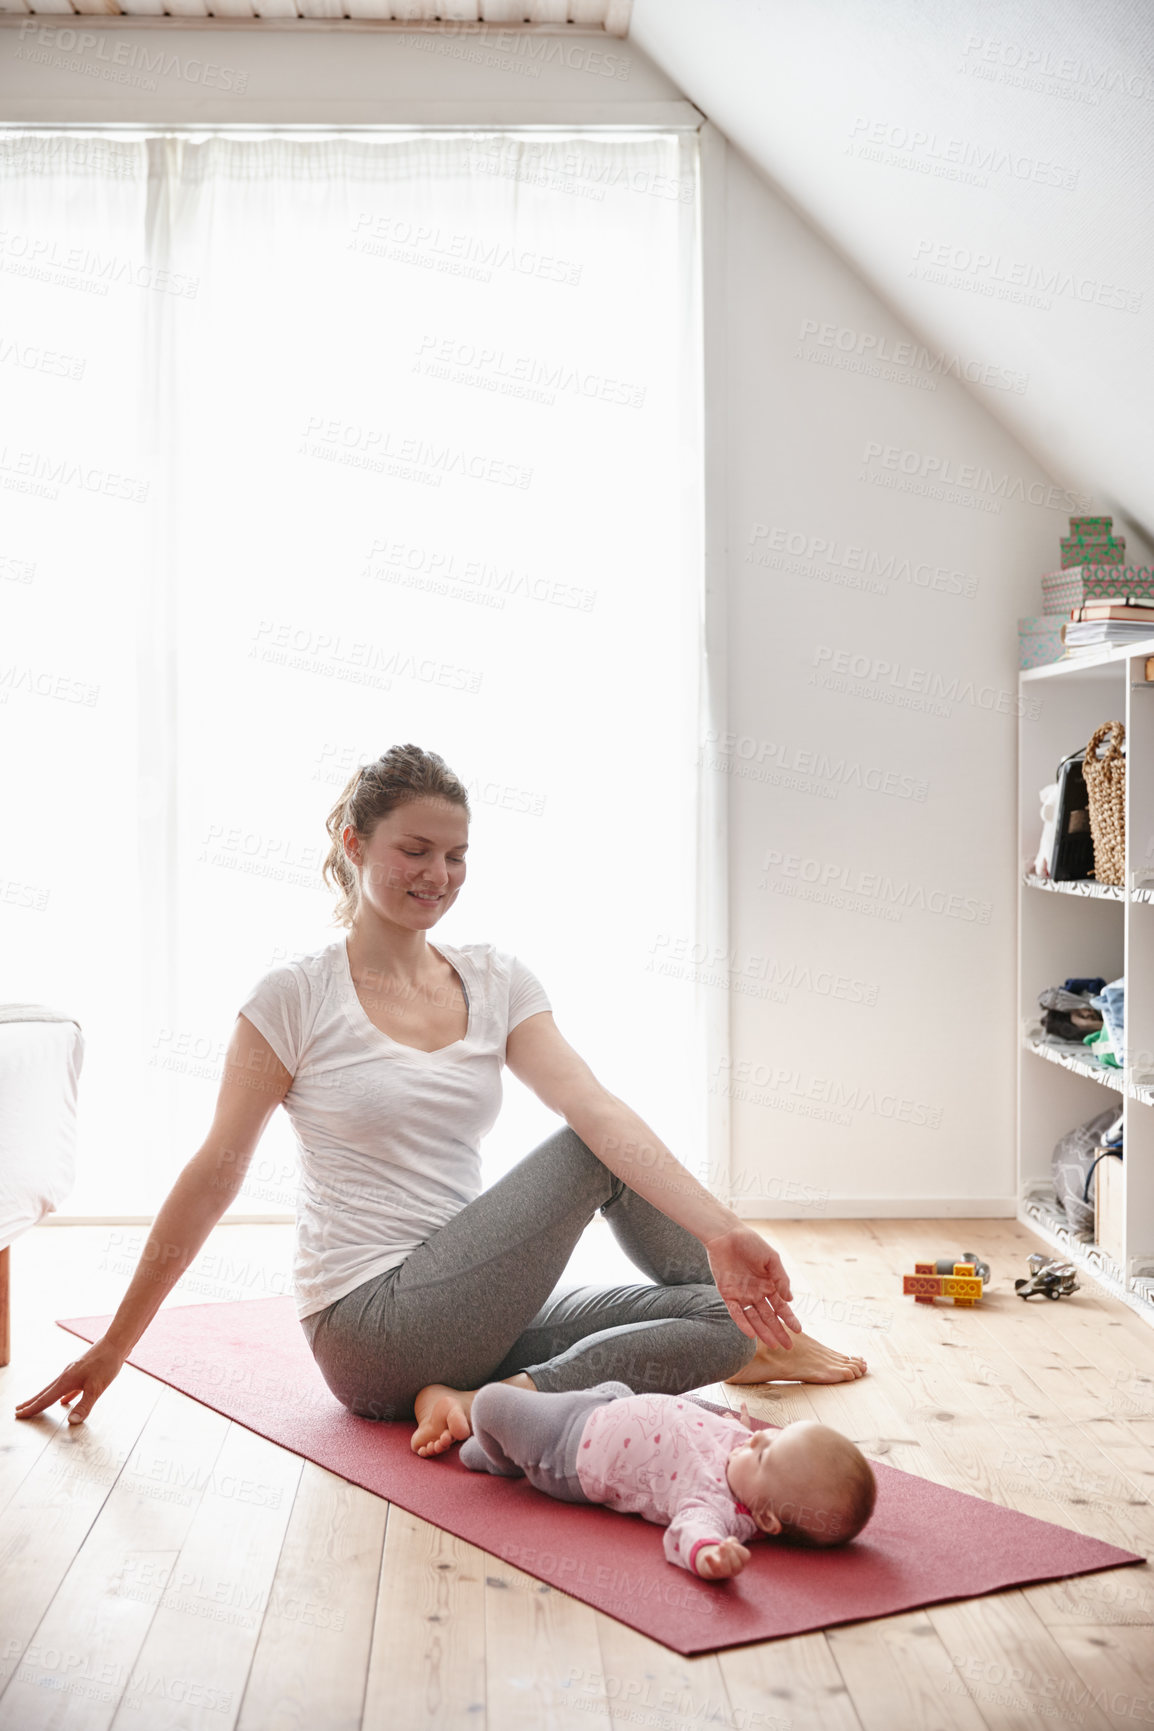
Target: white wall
{"points": [[872, 895]]}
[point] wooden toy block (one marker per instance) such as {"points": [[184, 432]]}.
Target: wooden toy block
{"points": [[963, 1286]]}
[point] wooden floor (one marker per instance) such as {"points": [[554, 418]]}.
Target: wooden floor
{"points": [[161, 1567]]}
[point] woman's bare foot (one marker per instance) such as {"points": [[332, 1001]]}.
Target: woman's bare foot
{"points": [[443, 1418], [807, 1360], [445, 1415]]}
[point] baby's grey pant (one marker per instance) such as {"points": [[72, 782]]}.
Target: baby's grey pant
{"points": [[479, 1300], [522, 1435]]}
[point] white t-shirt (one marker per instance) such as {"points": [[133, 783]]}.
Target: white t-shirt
{"points": [[389, 1136]]}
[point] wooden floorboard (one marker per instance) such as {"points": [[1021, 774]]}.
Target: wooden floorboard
{"points": [[163, 1568]]}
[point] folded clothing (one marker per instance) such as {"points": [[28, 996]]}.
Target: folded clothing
{"points": [[1101, 1049], [1069, 1011], [1111, 1001], [1072, 996], [1073, 1161]]}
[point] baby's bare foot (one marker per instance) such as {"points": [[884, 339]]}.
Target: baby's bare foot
{"points": [[443, 1418], [807, 1360]]}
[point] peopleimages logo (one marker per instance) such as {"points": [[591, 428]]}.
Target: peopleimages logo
{"points": [[868, 347], [45, 473], [404, 241], [805, 767], [562, 168], [484, 44], [973, 478], [855, 888], [117, 61], [927, 152], [926, 688], [1027, 64], [79, 267], [991, 272], [852, 558]]}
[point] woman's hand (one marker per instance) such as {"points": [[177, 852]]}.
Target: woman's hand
{"points": [[88, 1376], [719, 1562], [750, 1277]]}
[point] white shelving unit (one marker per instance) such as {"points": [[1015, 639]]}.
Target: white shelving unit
{"points": [[1082, 930]]}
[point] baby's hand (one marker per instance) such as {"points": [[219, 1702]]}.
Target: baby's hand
{"points": [[718, 1562]]}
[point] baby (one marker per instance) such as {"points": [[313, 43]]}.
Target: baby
{"points": [[702, 1476]]}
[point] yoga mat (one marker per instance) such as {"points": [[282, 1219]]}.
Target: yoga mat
{"points": [[249, 1360]]}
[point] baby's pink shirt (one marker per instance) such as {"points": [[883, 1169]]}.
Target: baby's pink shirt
{"points": [[664, 1458]]}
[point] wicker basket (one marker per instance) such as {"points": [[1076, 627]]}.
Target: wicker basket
{"points": [[1106, 786]]}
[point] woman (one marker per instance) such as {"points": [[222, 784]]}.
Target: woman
{"points": [[412, 1285]]}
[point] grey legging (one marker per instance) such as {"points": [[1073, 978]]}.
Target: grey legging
{"points": [[479, 1301]]}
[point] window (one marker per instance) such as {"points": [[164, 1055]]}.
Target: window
{"points": [[313, 444]]}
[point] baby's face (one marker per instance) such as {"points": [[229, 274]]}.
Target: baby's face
{"points": [[776, 1468]]}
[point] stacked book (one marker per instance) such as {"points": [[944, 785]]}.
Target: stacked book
{"points": [[1108, 622], [1093, 602], [1112, 620]]}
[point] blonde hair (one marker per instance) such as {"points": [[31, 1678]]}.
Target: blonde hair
{"points": [[401, 774]]}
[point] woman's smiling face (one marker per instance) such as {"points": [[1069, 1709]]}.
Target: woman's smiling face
{"points": [[413, 866]]}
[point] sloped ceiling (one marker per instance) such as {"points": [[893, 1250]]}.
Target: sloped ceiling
{"points": [[987, 168]]}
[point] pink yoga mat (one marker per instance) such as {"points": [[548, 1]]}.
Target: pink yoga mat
{"points": [[925, 1544]]}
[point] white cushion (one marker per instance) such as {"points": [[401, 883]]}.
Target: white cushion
{"points": [[41, 1054]]}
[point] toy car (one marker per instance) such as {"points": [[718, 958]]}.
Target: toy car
{"points": [[1056, 1279]]}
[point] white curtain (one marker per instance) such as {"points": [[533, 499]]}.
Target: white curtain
{"points": [[313, 445]]}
